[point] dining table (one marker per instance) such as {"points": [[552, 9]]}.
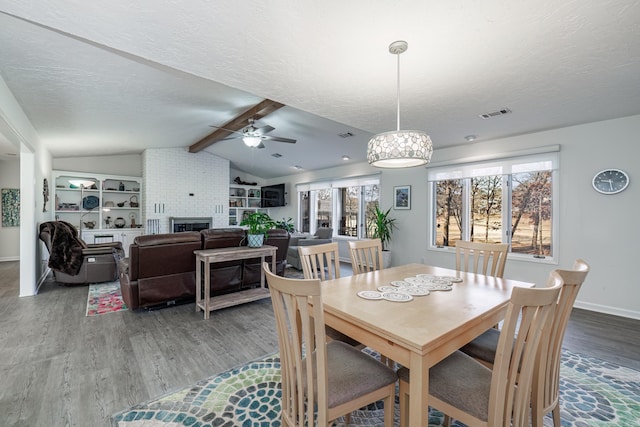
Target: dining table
{"points": [[422, 331]]}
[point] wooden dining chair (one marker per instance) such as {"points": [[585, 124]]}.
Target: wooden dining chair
{"points": [[484, 258], [546, 383], [321, 381], [320, 261], [366, 255], [475, 395]]}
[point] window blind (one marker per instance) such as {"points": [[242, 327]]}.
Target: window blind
{"points": [[503, 166], [353, 181]]}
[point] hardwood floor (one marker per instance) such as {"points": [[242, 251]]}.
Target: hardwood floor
{"points": [[61, 368]]}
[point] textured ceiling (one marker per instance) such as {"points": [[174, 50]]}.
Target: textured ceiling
{"points": [[118, 78]]}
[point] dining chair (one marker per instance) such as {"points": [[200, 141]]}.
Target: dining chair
{"points": [[488, 258], [366, 255], [546, 383], [477, 396], [321, 381], [320, 261]]}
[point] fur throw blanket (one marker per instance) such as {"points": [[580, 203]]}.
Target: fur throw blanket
{"points": [[65, 248]]}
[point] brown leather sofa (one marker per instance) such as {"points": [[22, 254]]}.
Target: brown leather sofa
{"points": [[75, 262], [278, 238], [161, 268]]}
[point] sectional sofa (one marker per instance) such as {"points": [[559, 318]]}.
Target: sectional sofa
{"points": [[161, 268]]}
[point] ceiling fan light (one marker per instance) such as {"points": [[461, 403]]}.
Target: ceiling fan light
{"points": [[252, 141]]}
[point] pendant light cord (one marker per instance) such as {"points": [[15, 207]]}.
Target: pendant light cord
{"points": [[398, 55]]}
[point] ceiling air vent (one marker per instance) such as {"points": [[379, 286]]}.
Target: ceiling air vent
{"points": [[346, 135], [277, 155], [495, 113]]}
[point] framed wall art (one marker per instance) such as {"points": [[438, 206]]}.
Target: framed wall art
{"points": [[10, 207], [402, 197]]}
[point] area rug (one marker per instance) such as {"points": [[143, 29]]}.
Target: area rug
{"points": [[593, 393], [104, 298]]}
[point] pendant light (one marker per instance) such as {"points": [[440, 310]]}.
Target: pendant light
{"points": [[399, 148]]}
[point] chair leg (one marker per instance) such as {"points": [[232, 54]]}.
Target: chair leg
{"points": [[347, 419], [447, 421], [388, 411], [404, 404], [556, 416]]}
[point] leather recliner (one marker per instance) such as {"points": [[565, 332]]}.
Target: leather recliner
{"points": [[160, 269], [226, 276], [75, 262]]}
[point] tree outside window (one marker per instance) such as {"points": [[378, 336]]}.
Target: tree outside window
{"points": [[514, 208]]}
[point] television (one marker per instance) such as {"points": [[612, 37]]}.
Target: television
{"points": [[272, 196]]}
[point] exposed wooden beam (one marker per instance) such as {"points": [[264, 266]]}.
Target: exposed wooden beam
{"points": [[257, 112]]}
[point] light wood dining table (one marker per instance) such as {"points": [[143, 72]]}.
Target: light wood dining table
{"points": [[421, 332]]}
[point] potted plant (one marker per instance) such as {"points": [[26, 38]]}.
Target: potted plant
{"points": [[258, 224], [382, 226], [285, 224]]}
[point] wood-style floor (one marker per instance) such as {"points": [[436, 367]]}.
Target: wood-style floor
{"points": [[61, 368]]}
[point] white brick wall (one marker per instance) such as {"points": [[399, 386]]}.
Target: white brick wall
{"points": [[172, 174]]}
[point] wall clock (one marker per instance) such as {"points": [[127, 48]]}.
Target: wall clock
{"points": [[610, 181]]}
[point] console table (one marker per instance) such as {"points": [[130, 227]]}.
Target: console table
{"points": [[205, 257]]}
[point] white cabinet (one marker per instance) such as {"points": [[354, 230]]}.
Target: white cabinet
{"points": [[102, 207], [243, 200], [124, 236]]}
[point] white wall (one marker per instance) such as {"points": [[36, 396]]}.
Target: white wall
{"points": [[35, 166], [126, 164], [185, 185], [603, 230], [9, 236]]}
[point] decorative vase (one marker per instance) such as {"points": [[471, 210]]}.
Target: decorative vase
{"points": [[119, 222], [255, 240]]}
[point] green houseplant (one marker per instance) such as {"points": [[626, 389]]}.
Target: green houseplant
{"points": [[258, 224], [382, 225], [285, 224]]}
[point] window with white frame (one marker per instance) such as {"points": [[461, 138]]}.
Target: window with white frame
{"points": [[342, 204], [508, 200]]}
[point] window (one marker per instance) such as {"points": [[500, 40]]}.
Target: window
{"points": [[509, 200], [340, 204]]}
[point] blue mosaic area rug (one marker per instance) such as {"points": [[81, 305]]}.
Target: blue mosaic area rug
{"points": [[593, 393]]}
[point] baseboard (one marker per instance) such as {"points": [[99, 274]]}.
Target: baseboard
{"points": [[9, 258], [607, 310]]}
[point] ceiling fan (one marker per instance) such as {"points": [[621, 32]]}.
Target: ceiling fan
{"points": [[253, 136]]}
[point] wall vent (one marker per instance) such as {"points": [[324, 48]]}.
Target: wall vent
{"points": [[277, 155], [495, 113], [346, 135]]}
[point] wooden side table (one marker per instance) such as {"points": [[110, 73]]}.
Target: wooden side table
{"points": [[205, 257]]}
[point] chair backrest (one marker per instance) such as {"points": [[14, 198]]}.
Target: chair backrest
{"points": [[300, 327], [320, 261], [488, 258], [550, 353], [516, 355], [366, 255]]}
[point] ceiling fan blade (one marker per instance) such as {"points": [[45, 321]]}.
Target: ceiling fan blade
{"points": [[264, 129], [279, 139]]}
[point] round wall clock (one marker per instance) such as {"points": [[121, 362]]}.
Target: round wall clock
{"points": [[610, 181]]}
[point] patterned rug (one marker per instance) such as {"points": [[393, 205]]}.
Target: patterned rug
{"points": [[104, 298], [593, 393]]}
